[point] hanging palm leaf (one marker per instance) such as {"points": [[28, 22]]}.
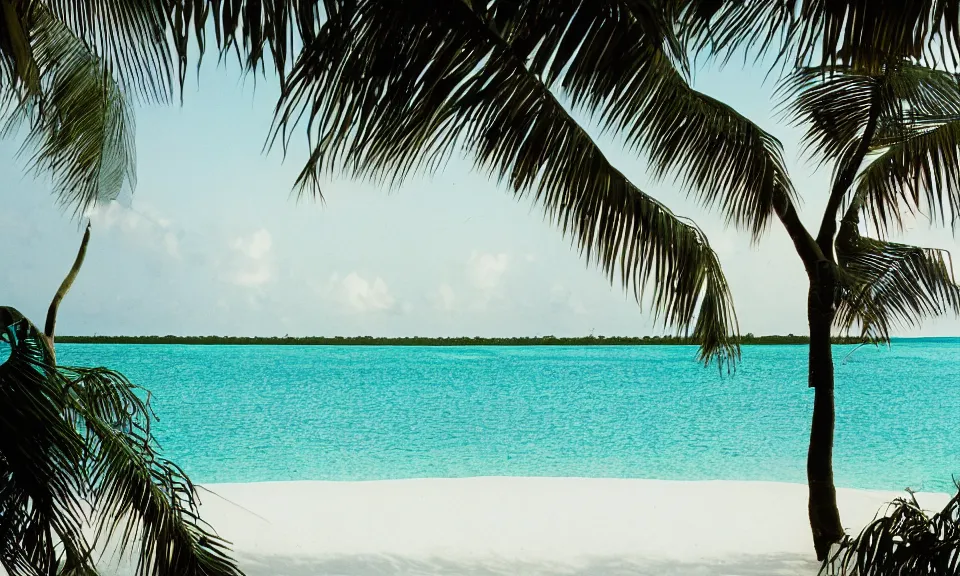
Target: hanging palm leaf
{"points": [[80, 130], [74, 440], [887, 286]]}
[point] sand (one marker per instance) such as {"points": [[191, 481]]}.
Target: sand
{"points": [[528, 526]]}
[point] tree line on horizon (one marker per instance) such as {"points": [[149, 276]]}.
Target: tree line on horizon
{"points": [[747, 339]]}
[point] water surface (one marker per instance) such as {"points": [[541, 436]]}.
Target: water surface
{"points": [[257, 413]]}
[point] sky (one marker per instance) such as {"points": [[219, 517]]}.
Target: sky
{"points": [[215, 242]]}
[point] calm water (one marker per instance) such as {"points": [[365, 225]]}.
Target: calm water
{"points": [[252, 413]]}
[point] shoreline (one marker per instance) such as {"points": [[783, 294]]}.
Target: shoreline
{"points": [[490, 526]]}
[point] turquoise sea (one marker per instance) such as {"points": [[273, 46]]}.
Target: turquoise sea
{"points": [[258, 413]]}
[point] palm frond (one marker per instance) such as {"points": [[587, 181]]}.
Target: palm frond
{"points": [[129, 37], [912, 108], [834, 105], [719, 155], [620, 60], [885, 285], [393, 87], [17, 66], [80, 129], [864, 34], [918, 173], [254, 29], [907, 540], [835, 102], [142, 498], [40, 455], [73, 439]]}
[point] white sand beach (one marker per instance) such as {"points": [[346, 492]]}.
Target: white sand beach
{"points": [[529, 526]]}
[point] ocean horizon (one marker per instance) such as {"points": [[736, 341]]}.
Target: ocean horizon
{"points": [[274, 413]]}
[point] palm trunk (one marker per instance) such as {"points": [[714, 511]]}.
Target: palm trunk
{"points": [[824, 515], [50, 327]]}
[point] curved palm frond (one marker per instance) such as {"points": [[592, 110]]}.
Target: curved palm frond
{"points": [[834, 105], [82, 441], [885, 285], [863, 34], [907, 540], [620, 60], [40, 455], [80, 129], [717, 153], [919, 172], [392, 87], [138, 496], [18, 69]]}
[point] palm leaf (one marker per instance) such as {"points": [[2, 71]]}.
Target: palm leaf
{"points": [[885, 285], [139, 496], [392, 87], [80, 129], [918, 173], [835, 103], [912, 141], [78, 434], [863, 34], [620, 60], [16, 55], [907, 540], [40, 454], [129, 37], [719, 155], [254, 29]]}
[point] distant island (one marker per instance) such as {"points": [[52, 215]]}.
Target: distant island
{"points": [[747, 339]]}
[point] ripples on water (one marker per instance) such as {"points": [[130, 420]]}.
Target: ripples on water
{"points": [[256, 413]]}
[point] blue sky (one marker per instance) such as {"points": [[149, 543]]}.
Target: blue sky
{"points": [[215, 243]]}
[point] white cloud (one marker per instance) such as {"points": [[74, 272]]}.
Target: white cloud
{"points": [[144, 225], [256, 266], [362, 295], [257, 276], [257, 246], [561, 297], [486, 270], [172, 244], [445, 298]]}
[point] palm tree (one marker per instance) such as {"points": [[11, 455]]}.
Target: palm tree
{"points": [[76, 448], [390, 87]]}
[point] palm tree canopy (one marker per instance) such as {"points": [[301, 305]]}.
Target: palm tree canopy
{"points": [[906, 163]]}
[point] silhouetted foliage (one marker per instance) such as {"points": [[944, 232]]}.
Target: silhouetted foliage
{"points": [[905, 541], [426, 341], [76, 448]]}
